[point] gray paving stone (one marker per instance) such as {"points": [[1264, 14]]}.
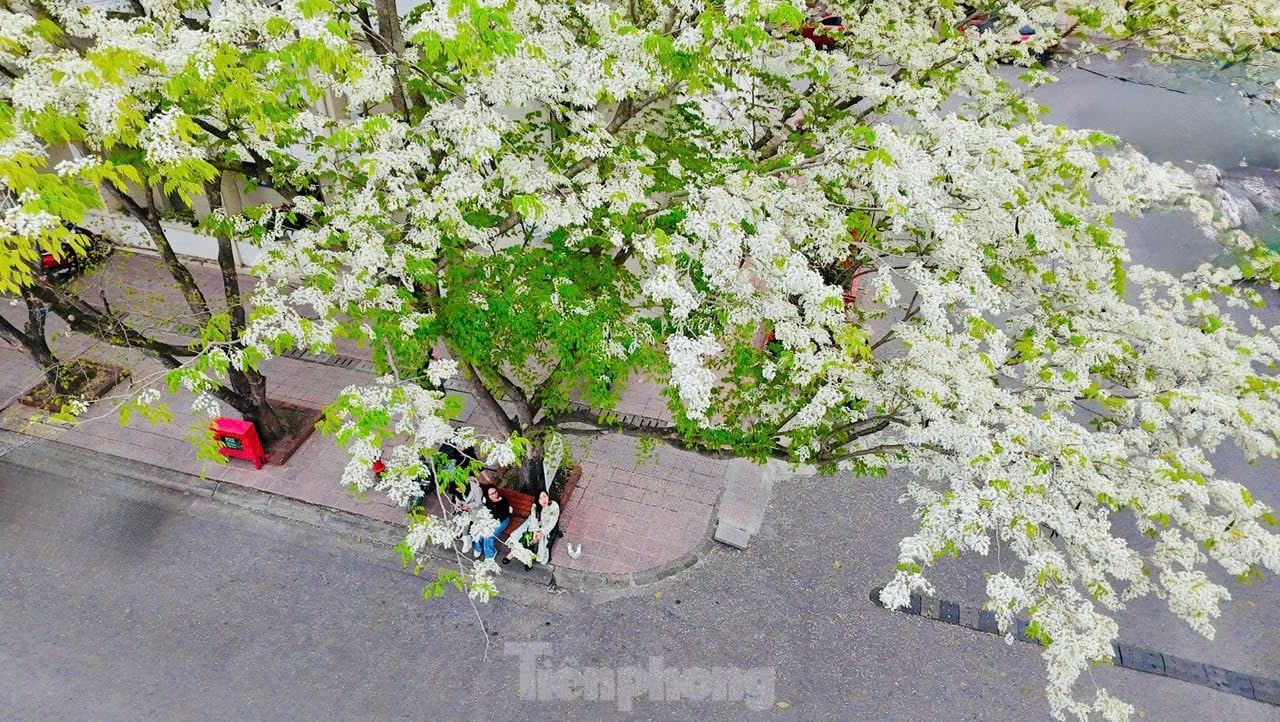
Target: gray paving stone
{"points": [[733, 535], [875, 596], [1020, 631], [949, 612], [362, 527], [930, 608], [987, 622], [186, 483], [747, 489], [1185, 669], [1266, 690], [242, 496], [283, 506], [1143, 660], [916, 605], [1228, 681]]}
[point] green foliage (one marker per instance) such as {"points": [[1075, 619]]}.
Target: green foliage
{"points": [[154, 413], [558, 318]]}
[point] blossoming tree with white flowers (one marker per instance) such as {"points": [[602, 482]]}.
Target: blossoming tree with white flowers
{"points": [[561, 194], [130, 105]]}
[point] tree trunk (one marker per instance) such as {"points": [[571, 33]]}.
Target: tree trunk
{"points": [[530, 476], [177, 269], [35, 340], [31, 337], [150, 219], [263, 415], [247, 383], [393, 42]]}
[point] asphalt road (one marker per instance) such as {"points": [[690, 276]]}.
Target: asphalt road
{"points": [[126, 602]]}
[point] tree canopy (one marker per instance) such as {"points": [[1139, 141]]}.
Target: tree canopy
{"points": [[563, 194]]}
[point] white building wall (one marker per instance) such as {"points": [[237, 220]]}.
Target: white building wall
{"points": [[128, 233]]}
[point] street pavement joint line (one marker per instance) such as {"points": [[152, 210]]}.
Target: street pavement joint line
{"points": [[1129, 656]]}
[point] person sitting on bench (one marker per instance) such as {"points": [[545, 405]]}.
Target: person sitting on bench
{"points": [[452, 458], [539, 528], [472, 499], [467, 496], [500, 508]]}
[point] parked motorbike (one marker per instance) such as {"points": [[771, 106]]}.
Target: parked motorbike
{"points": [[62, 267]]}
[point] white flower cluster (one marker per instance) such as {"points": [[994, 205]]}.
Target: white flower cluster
{"points": [[499, 453], [689, 375], [73, 167], [206, 405], [25, 224], [77, 406], [441, 370], [163, 143], [416, 414]]}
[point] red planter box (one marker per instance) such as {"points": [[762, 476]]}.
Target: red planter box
{"points": [[238, 439]]}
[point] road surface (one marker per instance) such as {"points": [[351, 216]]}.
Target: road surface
{"points": [[125, 602]]}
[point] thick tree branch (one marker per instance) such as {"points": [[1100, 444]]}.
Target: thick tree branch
{"points": [[488, 400], [667, 434], [524, 410], [150, 220], [912, 310], [84, 318]]}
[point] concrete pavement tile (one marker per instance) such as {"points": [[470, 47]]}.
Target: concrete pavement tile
{"points": [[654, 500], [678, 474], [247, 477], [621, 506], [604, 504], [1185, 669], [363, 527], [593, 553], [1142, 659], [622, 566], [582, 563]]}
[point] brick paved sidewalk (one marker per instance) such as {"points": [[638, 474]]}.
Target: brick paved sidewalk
{"points": [[635, 517]]}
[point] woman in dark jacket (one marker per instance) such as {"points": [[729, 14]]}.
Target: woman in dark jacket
{"points": [[501, 510]]}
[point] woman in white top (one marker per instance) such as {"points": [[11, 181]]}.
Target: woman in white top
{"points": [[544, 514]]}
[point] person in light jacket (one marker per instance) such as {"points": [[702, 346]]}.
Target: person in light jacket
{"points": [[472, 499], [543, 517]]}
